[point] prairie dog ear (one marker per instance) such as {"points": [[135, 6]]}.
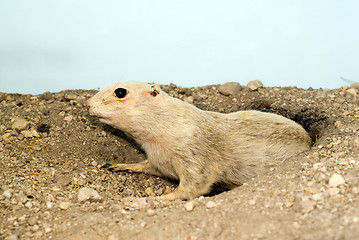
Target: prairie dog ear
{"points": [[155, 90]]}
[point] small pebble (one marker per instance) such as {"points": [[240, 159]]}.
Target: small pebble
{"points": [[210, 204], [32, 221], [12, 237], [28, 205], [296, 225], [338, 124], [149, 191], [189, 206], [7, 194], [229, 88], [45, 96], [20, 124], [88, 194], [64, 205], [61, 179], [21, 197], [254, 85], [252, 202], [70, 96], [6, 136], [20, 136], [336, 180], [189, 99], [352, 91], [333, 191], [49, 204], [30, 133], [113, 237], [356, 142], [151, 212], [307, 205], [69, 118], [139, 203]]}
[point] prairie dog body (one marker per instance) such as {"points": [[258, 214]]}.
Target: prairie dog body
{"points": [[199, 148]]}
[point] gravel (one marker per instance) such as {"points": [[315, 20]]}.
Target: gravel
{"points": [[43, 171]]}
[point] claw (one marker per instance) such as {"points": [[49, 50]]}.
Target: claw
{"points": [[107, 165], [110, 167]]}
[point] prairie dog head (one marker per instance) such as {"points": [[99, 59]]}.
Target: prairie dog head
{"points": [[125, 103]]}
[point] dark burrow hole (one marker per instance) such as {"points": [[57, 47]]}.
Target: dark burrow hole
{"points": [[43, 127]]}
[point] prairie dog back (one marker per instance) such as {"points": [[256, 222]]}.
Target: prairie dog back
{"points": [[199, 148]]}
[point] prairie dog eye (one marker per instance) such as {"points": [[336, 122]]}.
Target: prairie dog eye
{"points": [[121, 92]]}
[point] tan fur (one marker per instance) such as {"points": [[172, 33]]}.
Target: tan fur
{"points": [[199, 148]]}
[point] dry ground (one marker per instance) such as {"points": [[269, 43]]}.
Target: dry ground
{"points": [[61, 149]]}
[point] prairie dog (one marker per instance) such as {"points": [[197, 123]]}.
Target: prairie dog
{"points": [[198, 148]]}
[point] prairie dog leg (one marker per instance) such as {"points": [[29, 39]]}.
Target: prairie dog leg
{"points": [[142, 167], [187, 190]]}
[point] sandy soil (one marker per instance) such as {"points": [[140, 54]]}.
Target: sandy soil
{"points": [[51, 151]]}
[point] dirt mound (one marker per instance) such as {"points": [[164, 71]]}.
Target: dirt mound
{"points": [[60, 149]]}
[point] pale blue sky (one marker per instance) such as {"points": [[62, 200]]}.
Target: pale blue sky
{"points": [[48, 45]]}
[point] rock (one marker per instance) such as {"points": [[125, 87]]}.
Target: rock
{"points": [[252, 202], [32, 221], [69, 97], [20, 137], [307, 205], [356, 142], [229, 88], [30, 133], [12, 237], [151, 212], [64, 205], [28, 205], [336, 180], [8, 98], [113, 237], [26, 133], [254, 85], [61, 179], [149, 191], [210, 204], [2, 128], [45, 96], [296, 225], [333, 191], [7, 194], [189, 206], [20, 124], [288, 204], [317, 196], [49, 204], [69, 118], [338, 124], [352, 91], [6, 136], [88, 194], [21, 197], [189, 99], [139, 203]]}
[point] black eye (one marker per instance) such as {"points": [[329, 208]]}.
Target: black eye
{"points": [[120, 92]]}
